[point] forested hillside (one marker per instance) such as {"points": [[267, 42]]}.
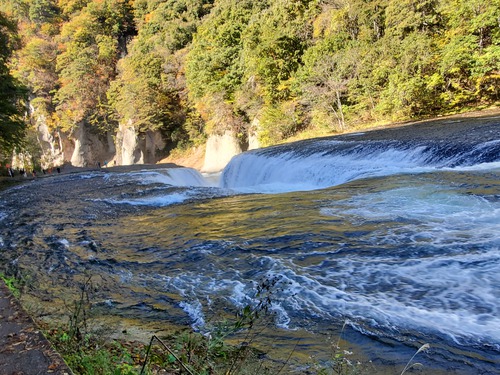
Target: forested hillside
{"points": [[190, 68]]}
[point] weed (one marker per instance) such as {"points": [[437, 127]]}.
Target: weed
{"points": [[79, 312], [12, 284], [15, 281], [340, 364], [208, 353], [87, 352], [409, 365]]}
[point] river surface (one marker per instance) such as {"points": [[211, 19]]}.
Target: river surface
{"points": [[384, 239]]}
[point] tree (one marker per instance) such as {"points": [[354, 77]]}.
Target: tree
{"points": [[274, 43], [12, 124], [470, 58], [150, 90], [87, 63], [214, 63]]}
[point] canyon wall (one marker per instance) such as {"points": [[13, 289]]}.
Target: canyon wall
{"points": [[87, 147], [133, 148], [91, 147], [220, 148]]}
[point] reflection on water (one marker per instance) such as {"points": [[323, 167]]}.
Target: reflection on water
{"points": [[404, 259]]}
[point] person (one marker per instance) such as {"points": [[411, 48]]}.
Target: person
{"points": [[11, 172]]}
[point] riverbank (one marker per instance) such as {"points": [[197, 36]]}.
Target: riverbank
{"points": [[24, 349]]}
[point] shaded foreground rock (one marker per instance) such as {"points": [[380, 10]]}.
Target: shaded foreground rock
{"points": [[24, 350]]}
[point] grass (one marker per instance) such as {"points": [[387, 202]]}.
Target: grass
{"points": [[11, 284], [225, 347], [90, 351]]}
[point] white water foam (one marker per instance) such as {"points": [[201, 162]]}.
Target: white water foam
{"points": [[169, 176], [493, 167], [285, 172], [64, 242], [192, 286], [156, 201], [427, 295], [194, 309], [450, 284], [441, 215]]}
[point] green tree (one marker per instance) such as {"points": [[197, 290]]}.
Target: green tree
{"points": [[214, 63], [150, 90], [12, 124], [274, 44], [87, 62], [43, 11], [470, 58]]}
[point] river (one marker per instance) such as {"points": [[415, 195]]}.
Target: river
{"points": [[387, 240]]}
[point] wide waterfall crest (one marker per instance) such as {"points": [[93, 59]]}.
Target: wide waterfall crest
{"points": [[310, 165], [187, 177]]}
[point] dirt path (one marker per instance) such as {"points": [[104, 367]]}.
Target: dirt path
{"points": [[23, 348]]}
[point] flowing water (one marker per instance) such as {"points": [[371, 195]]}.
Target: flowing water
{"points": [[397, 238]]}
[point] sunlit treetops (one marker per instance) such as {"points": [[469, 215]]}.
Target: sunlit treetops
{"points": [[192, 67]]}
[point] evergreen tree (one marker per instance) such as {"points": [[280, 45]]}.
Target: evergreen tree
{"points": [[12, 124]]}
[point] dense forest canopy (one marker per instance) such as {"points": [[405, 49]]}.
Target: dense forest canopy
{"points": [[195, 67], [12, 124]]}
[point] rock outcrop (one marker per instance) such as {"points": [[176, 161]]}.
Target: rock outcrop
{"points": [[91, 147], [220, 148], [86, 146], [133, 148], [51, 142], [253, 132]]}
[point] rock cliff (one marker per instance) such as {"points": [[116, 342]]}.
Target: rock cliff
{"points": [[87, 147]]}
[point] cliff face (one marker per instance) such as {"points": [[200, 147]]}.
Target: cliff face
{"points": [[86, 147], [133, 148], [220, 149], [51, 143], [91, 147], [127, 146]]}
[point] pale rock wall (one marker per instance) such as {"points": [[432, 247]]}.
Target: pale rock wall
{"points": [[126, 142], [90, 147], [51, 144], [220, 148], [253, 131], [153, 146], [85, 147], [138, 149]]}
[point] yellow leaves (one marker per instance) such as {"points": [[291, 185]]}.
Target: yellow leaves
{"points": [[63, 120], [107, 48], [322, 23], [488, 86], [435, 81]]}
